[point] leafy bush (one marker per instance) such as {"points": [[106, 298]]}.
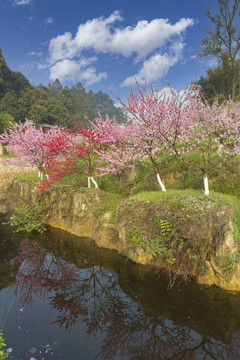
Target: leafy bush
{"points": [[3, 353], [30, 217], [227, 261]]}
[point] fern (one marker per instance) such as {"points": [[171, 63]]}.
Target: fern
{"points": [[164, 226]]}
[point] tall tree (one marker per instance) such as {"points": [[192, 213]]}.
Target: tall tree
{"points": [[5, 121], [217, 84], [104, 104], [223, 41], [9, 105], [54, 88], [81, 103], [64, 96], [29, 99]]}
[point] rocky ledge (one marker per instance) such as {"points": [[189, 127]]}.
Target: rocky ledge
{"points": [[187, 235]]}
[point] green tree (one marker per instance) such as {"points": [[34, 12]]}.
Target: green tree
{"points": [[5, 74], [57, 113], [54, 88], [19, 82], [5, 121], [217, 83], [49, 111], [10, 80], [64, 96], [81, 103], [102, 102], [9, 105], [223, 41], [38, 112], [29, 100]]}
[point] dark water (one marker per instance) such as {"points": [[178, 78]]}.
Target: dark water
{"points": [[63, 298]]}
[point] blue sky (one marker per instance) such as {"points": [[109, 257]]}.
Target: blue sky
{"points": [[106, 44]]}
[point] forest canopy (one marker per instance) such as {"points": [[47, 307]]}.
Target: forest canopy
{"points": [[52, 104]]}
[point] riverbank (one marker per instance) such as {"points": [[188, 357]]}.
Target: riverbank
{"points": [[183, 232]]}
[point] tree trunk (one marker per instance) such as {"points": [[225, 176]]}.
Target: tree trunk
{"points": [[206, 188], [234, 84], [90, 178], [161, 183], [95, 183], [40, 175], [154, 165]]}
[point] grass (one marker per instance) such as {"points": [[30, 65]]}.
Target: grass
{"points": [[187, 196], [110, 205], [30, 177], [193, 201], [174, 173], [184, 186]]}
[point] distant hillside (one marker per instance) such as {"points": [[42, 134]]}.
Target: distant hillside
{"points": [[11, 80], [52, 104]]}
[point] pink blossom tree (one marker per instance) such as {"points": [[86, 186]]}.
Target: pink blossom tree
{"points": [[117, 151], [26, 142], [214, 137], [156, 122]]}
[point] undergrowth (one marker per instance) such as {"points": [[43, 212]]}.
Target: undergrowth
{"points": [[227, 261], [185, 257], [29, 217], [3, 353]]}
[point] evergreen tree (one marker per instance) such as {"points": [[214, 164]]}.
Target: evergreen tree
{"points": [[217, 83], [54, 88], [10, 80], [64, 96], [102, 102], [53, 104], [81, 103], [5, 121], [9, 105]]}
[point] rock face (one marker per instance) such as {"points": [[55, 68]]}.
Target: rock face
{"points": [[7, 175], [188, 241]]}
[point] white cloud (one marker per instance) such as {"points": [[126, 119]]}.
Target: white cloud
{"points": [[28, 66], [156, 44], [76, 71], [42, 66], [98, 35], [22, 2], [35, 53], [156, 67], [49, 20], [60, 48]]}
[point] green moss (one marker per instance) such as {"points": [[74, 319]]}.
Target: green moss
{"points": [[236, 226], [227, 261], [30, 177]]}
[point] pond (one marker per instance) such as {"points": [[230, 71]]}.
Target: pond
{"points": [[61, 297]]}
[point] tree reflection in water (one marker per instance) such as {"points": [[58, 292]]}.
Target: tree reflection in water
{"points": [[93, 296]]}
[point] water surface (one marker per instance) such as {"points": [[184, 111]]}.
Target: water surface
{"points": [[61, 297]]}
